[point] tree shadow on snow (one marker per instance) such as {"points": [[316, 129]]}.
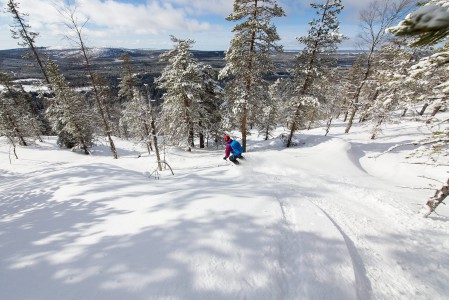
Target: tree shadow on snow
{"points": [[78, 248]]}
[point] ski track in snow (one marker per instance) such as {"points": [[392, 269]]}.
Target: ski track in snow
{"points": [[388, 285]]}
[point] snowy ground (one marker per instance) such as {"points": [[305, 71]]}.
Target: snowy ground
{"points": [[321, 220]]}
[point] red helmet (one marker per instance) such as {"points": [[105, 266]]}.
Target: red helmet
{"points": [[226, 138]]}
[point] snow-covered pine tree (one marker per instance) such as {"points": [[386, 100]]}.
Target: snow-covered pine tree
{"points": [[428, 24], [126, 87], [68, 113], [18, 120], [248, 57], [137, 118], [21, 30], [182, 81], [269, 117], [209, 123], [322, 39], [127, 81], [379, 16]]}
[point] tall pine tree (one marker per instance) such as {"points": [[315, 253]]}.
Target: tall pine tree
{"points": [[248, 58], [182, 81]]}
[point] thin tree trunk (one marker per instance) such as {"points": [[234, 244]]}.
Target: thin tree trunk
{"points": [[404, 112], [147, 132], [329, 123], [189, 124], [248, 81], [153, 134], [438, 198], [355, 101], [13, 148], [376, 128], [28, 39], [95, 87], [201, 134], [423, 109], [435, 111]]}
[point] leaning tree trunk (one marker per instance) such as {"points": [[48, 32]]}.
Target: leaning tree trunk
{"points": [[423, 109], [435, 110], [437, 198], [28, 39], [100, 103]]}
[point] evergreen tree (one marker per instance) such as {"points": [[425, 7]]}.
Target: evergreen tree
{"points": [[18, 121], [68, 113], [209, 124], [128, 81], [428, 25], [269, 116], [184, 110], [248, 57], [137, 117], [127, 84], [322, 39]]}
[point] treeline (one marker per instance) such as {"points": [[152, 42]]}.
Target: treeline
{"points": [[401, 68]]}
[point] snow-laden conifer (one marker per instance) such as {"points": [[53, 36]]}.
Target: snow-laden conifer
{"points": [[269, 115], [183, 80], [127, 80], [428, 24], [68, 113], [126, 87], [18, 119], [209, 123], [248, 58], [137, 118]]}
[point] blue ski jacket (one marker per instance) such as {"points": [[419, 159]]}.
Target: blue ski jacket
{"points": [[234, 147]]}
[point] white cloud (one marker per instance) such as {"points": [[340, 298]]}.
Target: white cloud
{"points": [[152, 17], [111, 22], [218, 7]]}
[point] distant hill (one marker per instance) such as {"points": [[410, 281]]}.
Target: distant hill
{"points": [[145, 61]]}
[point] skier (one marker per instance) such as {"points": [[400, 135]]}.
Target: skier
{"points": [[234, 147]]}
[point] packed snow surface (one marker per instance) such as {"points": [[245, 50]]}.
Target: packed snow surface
{"points": [[321, 220]]}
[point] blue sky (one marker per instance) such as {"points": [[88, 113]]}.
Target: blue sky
{"points": [[149, 23]]}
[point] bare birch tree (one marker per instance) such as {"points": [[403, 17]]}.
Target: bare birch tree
{"points": [[380, 15], [100, 100]]}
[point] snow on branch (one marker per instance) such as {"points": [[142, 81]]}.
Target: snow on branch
{"points": [[429, 23]]}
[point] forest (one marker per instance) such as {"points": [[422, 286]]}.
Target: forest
{"points": [[400, 71]]}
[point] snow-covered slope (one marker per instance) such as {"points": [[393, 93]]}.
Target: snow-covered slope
{"points": [[321, 220]]}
